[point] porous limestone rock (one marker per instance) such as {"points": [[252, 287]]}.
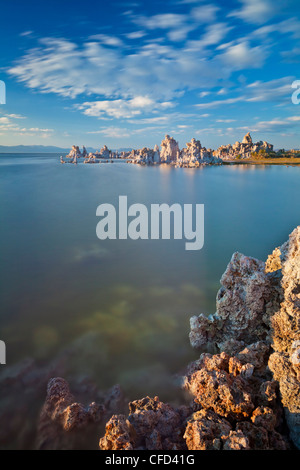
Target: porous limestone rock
{"points": [[244, 303], [205, 429], [261, 301], [238, 402], [151, 425], [285, 361]]}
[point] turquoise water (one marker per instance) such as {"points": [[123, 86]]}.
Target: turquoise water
{"points": [[124, 306]]}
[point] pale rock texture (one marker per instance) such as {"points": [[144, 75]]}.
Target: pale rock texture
{"points": [[237, 401], [74, 153], [156, 156], [285, 361], [194, 155], [244, 302], [104, 152], [169, 150]]}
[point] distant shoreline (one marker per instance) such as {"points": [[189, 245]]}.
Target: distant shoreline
{"points": [[265, 161]]}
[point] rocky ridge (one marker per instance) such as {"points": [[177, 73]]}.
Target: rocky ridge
{"points": [[193, 155]]}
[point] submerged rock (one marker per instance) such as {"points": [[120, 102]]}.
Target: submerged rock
{"points": [[65, 423]]}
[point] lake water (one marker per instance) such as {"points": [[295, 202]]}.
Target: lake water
{"points": [[124, 306]]}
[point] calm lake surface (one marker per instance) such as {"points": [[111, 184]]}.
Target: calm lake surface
{"points": [[123, 307]]}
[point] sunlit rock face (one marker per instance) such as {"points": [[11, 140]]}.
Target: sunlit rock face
{"points": [[74, 152], [169, 150], [194, 155], [104, 152], [192, 152], [242, 150], [247, 139], [285, 361], [258, 309]]}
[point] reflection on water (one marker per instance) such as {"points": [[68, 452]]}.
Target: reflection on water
{"points": [[123, 307]]}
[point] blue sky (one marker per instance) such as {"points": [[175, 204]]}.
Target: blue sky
{"points": [[126, 73]]}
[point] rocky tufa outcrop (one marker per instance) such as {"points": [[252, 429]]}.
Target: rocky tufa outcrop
{"points": [[235, 406], [285, 361], [194, 155], [243, 150], [169, 150], [262, 301]]}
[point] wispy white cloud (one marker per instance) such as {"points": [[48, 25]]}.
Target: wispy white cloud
{"points": [[205, 13], [62, 67], [243, 56], [107, 40], [112, 132], [136, 35], [255, 11], [278, 90], [122, 108]]}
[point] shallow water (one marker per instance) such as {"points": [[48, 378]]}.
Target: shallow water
{"points": [[124, 306]]}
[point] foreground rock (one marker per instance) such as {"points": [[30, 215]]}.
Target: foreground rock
{"points": [[238, 402], [151, 425], [262, 301], [247, 299], [285, 361], [236, 406]]}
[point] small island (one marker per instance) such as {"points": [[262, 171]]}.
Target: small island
{"points": [[191, 156]]}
